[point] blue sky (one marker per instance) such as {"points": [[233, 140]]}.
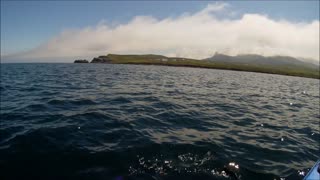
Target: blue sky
{"points": [[28, 24]]}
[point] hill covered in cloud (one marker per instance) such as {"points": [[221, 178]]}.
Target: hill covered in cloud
{"points": [[263, 60], [194, 35]]}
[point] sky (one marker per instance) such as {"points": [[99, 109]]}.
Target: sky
{"points": [[55, 31]]}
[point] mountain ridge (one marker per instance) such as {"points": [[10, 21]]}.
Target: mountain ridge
{"points": [[262, 60]]}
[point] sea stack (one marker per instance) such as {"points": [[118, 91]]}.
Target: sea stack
{"points": [[81, 61]]}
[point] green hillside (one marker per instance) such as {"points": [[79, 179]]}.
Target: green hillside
{"points": [[151, 59]]}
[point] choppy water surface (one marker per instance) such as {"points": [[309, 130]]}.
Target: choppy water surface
{"points": [[98, 121]]}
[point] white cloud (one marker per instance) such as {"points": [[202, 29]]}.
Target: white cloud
{"points": [[212, 8], [196, 35]]}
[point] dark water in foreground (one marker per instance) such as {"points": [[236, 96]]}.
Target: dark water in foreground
{"points": [[97, 121]]}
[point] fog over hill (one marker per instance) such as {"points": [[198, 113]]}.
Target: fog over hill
{"points": [[264, 60], [312, 61]]}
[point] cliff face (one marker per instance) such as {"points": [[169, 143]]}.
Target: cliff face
{"points": [[81, 61], [101, 59]]}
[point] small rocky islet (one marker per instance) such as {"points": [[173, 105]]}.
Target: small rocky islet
{"points": [[81, 61]]}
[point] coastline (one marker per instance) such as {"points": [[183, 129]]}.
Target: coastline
{"points": [[262, 70]]}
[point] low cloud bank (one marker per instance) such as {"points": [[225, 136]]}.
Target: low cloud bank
{"points": [[197, 35]]}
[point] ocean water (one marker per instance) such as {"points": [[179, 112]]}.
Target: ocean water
{"points": [[102, 121]]}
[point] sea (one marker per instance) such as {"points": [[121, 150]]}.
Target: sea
{"points": [[118, 122]]}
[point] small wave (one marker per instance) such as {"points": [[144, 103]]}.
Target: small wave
{"points": [[66, 102], [59, 122]]}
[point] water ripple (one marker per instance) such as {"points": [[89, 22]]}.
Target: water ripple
{"points": [[76, 121]]}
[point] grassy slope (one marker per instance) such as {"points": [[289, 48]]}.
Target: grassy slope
{"points": [[155, 60]]}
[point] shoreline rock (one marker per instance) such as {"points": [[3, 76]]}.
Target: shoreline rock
{"points": [[101, 59]]}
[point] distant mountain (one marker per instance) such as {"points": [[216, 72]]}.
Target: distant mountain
{"points": [[253, 59]]}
